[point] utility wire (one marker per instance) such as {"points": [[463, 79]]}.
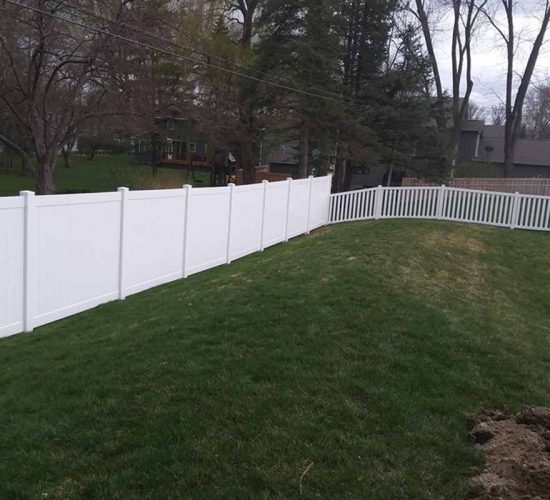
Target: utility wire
{"points": [[175, 54], [121, 24]]}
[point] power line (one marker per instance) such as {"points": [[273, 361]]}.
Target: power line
{"points": [[114, 22], [174, 54]]}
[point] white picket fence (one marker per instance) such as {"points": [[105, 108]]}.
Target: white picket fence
{"points": [[63, 254], [453, 204]]}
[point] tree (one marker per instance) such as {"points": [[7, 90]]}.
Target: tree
{"points": [[245, 14], [14, 140], [305, 49], [514, 106], [476, 112], [66, 65], [465, 20], [404, 116], [498, 114], [49, 67], [536, 117], [365, 34]]}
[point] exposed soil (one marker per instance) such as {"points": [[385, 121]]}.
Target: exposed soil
{"points": [[517, 451]]}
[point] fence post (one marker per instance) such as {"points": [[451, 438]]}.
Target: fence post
{"points": [[121, 285], [262, 233], [187, 188], [228, 253], [440, 198], [378, 202], [515, 211], [308, 226], [28, 259], [289, 182], [329, 194]]}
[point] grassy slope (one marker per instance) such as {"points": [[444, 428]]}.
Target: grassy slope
{"points": [[360, 349], [104, 173]]}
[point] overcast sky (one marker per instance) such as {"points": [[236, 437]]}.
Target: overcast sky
{"points": [[489, 56]]}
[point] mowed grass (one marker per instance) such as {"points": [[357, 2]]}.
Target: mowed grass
{"points": [[339, 365], [103, 173]]}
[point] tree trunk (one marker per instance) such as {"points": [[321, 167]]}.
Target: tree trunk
{"points": [[304, 151], [93, 151], [427, 32], [26, 161], [509, 150], [248, 163], [337, 180], [45, 182], [27, 169], [342, 175], [348, 174], [343, 170], [390, 175], [66, 157], [248, 134]]}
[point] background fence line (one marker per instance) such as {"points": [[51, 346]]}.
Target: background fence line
{"points": [[63, 254], [512, 210], [533, 186]]}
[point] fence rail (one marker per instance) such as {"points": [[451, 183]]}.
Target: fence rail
{"points": [[63, 254], [444, 203]]}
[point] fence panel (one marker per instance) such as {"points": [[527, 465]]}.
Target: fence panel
{"points": [[534, 213], [275, 213], [153, 233], [319, 204], [12, 235], [208, 228], [453, 204], [480, 207], [409, 202], [353, 205], [298, 208], [75, 260], [246, 220]]}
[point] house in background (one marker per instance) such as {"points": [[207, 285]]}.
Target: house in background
{"points": [[283, 158], [178, 143], [483, 145]]}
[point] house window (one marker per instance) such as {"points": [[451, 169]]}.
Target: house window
{"points": [[170, 125], [193, 147]]}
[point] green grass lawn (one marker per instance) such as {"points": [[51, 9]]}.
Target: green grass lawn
{"points": [[354, 354], [103, 173]]}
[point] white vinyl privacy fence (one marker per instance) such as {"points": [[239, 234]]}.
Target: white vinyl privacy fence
{"points": [[443, 203], [63, 254]]}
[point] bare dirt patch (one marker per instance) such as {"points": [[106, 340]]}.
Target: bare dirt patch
{"points": [[517, 452]]}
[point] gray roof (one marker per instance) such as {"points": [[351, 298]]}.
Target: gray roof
{"points": [[491, 146]]}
